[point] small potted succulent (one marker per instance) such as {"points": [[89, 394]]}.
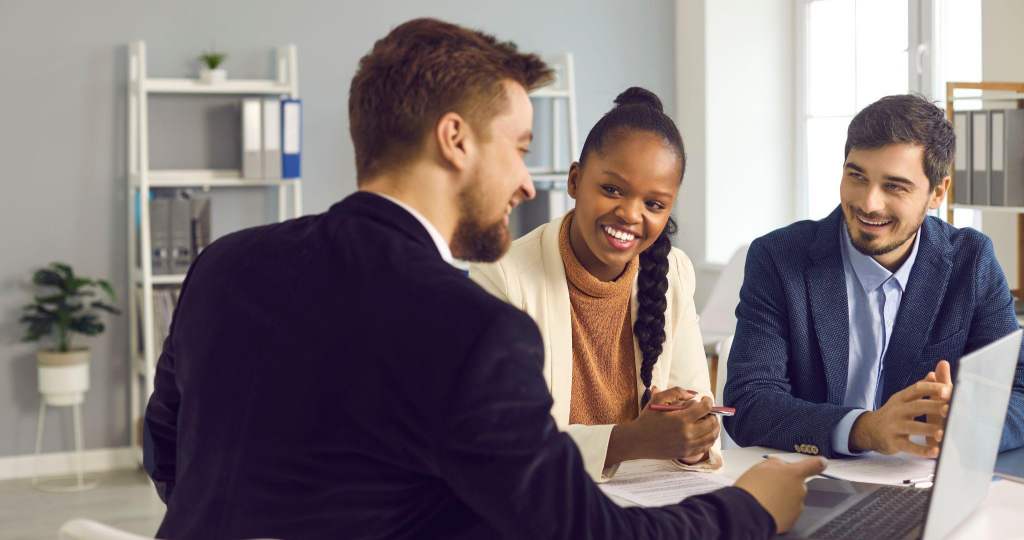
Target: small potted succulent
{"points": [[69, 304], [210, 71]]}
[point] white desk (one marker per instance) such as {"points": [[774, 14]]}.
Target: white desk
{"points": [[1000, 514]]}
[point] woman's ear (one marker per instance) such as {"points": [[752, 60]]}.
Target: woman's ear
{"points": [[572, 182], [452, 134]]}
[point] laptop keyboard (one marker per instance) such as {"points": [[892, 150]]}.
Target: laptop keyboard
{"points": [[890, 512]]}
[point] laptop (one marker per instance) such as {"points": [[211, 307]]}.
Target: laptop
{"points": [[837, 509]]}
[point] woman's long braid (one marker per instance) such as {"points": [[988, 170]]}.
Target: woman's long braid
{"points": [[652, 283], [638, 109]]}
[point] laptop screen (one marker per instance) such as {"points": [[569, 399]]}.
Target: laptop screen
{"points": [[974, 427]]}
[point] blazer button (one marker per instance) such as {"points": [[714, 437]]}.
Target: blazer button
{"points": [[814, 450]]}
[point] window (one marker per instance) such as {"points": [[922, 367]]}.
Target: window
{"points": [[855, 52]]}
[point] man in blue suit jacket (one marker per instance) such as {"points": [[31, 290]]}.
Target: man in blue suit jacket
{"points": [[845, 325]]}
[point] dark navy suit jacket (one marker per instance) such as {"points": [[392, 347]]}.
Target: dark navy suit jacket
{"points": [[333, 377], [788, 364]]}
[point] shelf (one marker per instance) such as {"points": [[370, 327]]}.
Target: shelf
{"points": [[549, 93], [195, 86], [205, 178], [550, 181], [164, 279], [1006, 209]]}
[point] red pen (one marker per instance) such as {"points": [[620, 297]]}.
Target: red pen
{"points": [[717, 409]]}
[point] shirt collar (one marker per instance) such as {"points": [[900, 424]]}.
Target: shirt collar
{"points": [[870, 274], [435, 235]]}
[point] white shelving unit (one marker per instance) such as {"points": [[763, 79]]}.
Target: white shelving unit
{"points": [[142, 179], [1011, 96], [561, 89]]}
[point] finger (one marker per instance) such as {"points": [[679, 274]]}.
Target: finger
{"points": [[923, 407], [807, 467], [903, 444], [702, 444], [671, 395], [930, 377], [698, 430], [698, 409], [920, 389], [942, 372], [921, 428]]}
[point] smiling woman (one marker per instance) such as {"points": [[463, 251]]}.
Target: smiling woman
{"points": [[614, 300]]}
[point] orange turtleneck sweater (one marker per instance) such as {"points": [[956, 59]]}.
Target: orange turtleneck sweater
{"points": [[604, 388]]}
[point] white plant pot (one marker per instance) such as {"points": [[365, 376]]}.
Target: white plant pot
{"points": [[63, 376], [211, 76]]}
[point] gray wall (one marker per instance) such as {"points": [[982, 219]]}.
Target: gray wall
{"points": [[63, 142]]}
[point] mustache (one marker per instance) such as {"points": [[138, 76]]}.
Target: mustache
{"points": [[873, 216]]}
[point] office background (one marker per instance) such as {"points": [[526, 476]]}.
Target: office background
{"points": [[726, 69]]}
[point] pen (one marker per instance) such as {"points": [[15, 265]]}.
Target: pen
{"points": [[718, 409], [919, 480]]}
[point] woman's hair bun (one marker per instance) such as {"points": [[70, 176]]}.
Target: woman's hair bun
{"points": [[635, 95]]}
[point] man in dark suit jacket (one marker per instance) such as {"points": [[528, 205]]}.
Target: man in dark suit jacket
{"points": [[842, 322], [335, 376]]}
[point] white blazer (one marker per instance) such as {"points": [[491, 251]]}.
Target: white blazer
{"points": [[531, 276]]}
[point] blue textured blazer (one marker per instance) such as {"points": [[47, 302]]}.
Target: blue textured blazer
{"points": [[788, 363]]}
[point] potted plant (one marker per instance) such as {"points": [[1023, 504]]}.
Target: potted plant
{"points": [[210, 72], [71, 304]]}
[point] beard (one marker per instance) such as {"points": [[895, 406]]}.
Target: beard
{"points": [[475, 238], [863, 241]]}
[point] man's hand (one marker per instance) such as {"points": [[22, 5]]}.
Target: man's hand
{"points": [[940, 375], [779, 487], [888, 429]]}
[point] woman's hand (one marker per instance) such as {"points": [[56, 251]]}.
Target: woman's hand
{"points": [[685, 435]]}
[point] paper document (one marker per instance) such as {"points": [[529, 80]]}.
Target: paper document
{"points": [[874, 468], [649, 482]]}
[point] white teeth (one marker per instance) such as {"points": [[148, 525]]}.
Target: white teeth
{"points": [[873, 222], [624, 236]]}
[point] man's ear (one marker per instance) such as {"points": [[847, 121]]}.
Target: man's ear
{"points": [[572, 183], [452, 133], [939, 193]]}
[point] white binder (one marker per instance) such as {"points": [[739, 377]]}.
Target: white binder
{"points": [[252, 145], [272, 139]]}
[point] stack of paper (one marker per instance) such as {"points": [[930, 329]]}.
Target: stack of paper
{"points": [[658, 483], [874, 468]]}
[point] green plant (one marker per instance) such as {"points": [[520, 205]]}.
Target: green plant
{"points": [[70, 304], [212, 59]]}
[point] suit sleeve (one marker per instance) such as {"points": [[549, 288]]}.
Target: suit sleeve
{"points": [[758, 384], [689, 362], [994, 318], [502, 455], [160, 428]]}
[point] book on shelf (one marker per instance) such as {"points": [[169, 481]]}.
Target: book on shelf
{"points": [[164, 301]]}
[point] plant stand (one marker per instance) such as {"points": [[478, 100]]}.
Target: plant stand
{"points": [[62, 383]]}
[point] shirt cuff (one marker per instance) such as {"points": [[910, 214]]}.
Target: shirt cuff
{"points": [[841, 433]]}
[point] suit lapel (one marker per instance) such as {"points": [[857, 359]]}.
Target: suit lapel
{"points": [[918, 308], [826, 289]]}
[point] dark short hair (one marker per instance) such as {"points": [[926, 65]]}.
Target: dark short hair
{"points": [[906, 118], [420, 71]]}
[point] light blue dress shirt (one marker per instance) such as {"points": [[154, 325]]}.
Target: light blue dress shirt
{"points": [[873, 296]]}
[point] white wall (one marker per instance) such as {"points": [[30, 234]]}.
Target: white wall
{"points": [[63, 140], [735, 75], [1002, 40]]}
